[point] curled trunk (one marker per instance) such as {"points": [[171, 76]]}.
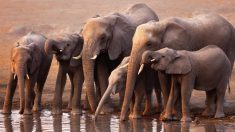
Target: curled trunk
{"points": [[132, 73]]}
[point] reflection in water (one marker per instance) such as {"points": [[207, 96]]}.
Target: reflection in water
{"points": [[106, 123]]}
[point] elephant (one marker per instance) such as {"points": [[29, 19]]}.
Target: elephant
{"points": [[180, 34], [207, 69], [29, 65], [64, 47], [107, 40], [144, 86]]}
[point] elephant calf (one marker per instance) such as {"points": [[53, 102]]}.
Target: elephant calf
{"points": [[29, 65], [144, 86], [207, 69], [65, 47]]}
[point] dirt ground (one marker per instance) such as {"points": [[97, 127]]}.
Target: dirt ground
{"points": [[53, 17]]}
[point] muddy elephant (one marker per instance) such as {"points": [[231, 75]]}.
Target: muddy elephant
{"points": [[29, 65], [107, 40], [177, 33], [207, 69], [144, 87], [64, 47]]}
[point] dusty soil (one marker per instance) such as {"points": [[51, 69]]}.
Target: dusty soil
{"points": [[51, 17]]}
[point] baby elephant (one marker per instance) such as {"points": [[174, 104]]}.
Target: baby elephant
{"points": [[207, 69], [29, 65], [144, 87]]}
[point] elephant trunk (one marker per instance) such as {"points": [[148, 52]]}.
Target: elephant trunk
{"points": [[103, 100], [21, 73], [88, 69], [50, 46], [132, 73]]}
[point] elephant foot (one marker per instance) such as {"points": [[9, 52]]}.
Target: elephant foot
{"points": [[56, 112], [166, 117], [135, 116], [207, 112], [27, 112], [76, 112], [186, 119], [106, 109], [149, 112], [219, 115], [5, 111], [37, 108]]}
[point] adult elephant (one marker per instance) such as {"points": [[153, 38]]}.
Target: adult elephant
{"points": [[65, 47], [107, 40], [177, 33], [29, 65]]}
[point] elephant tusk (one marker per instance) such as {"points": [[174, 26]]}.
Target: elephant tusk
{"points": [[77, 57], [124, 65], [14, 76], [152, 60], [27, 75], [141, 69], [94, 57], [61, 50]]}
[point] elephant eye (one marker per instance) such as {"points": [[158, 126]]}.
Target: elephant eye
{"points": [[68, 45], [148, 44]]}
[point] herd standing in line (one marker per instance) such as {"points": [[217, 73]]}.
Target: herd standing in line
{"points": [[131, 53]]}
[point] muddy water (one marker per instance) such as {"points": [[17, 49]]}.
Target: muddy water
{"points": [[46, 122]]}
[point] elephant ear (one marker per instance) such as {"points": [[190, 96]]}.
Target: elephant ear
{"points": [[175, 34], [121, 37], [36, 57], [181, 65], [77, 51]]}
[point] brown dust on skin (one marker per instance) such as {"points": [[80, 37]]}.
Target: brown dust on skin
{"points": [[18, 17]]}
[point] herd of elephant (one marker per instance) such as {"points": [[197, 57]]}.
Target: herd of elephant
{"points": [[132, 53]]}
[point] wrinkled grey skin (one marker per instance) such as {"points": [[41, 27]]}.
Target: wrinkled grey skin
{"points": [[64, 47], [29, 65], [207, 69], [107, 39], [181, 34], [144, 87]]}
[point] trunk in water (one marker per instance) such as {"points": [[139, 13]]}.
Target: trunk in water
{"points": [[88, 69], [132, 73], [21, 85], [103, 100]]}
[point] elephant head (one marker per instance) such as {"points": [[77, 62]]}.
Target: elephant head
{"points": [[167, 60], [117, 81], [25, 60], [65, 47], [110, 34], [149, 36]]}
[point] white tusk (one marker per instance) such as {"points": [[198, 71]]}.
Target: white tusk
{"points": [[27, 75], [61, 50], [14, 76], [94, 57], [77, 57], [124, 65], [152, 60], [141, 69]]}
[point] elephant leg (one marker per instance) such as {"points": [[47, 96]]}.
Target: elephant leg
{"points": [[60, 84], [186, 91], [158, 93], [76, 100], [38, 92], [148, 103], [102, 77], [121, 97], [71, 77], [132, 105], [164, 83], [220, 93], [28, 94], [10, 90], [170, 102], [139, 94], [210, 103]]}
